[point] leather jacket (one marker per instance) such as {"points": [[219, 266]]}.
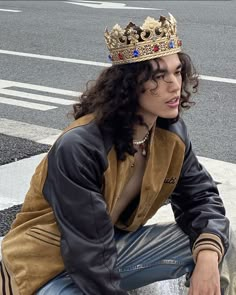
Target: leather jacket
{"points": [[74, 190]]}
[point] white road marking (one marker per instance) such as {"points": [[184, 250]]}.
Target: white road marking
{"points": [[49, 140], [99, 64], [25, 104], [108, 5], [33, 96], [28, 131], [218, 79], [10, 10], [8, 83], [56, 58], [4, 84]]}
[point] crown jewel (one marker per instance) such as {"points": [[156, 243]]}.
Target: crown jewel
{"points": [[155, 38]]}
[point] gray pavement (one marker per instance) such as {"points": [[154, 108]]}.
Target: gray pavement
{"points": [[222, 172], [57, 29]]}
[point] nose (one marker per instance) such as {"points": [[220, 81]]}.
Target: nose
{"points": [[174, 82]]}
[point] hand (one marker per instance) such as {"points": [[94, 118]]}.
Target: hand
{"points": [[205, 279]]}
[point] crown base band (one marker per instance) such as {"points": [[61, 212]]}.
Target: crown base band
{"points": [[147, 57], [145, 50]]}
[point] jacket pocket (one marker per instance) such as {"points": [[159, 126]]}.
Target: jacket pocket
{"points": [[42, 234]]}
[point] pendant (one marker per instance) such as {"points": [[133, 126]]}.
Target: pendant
{"points": [[144, 153]]}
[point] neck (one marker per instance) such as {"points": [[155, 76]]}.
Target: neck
{"points": [[140, 131]]}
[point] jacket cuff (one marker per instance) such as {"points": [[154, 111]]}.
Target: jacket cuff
{"points": [[208, 242]]}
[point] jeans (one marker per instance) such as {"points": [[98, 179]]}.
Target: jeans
{"points": [[152, 253]]}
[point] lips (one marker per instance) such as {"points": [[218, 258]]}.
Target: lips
{"points": [[174, 102]]}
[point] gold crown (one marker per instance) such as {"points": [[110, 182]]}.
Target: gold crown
{"points": [[152, 40]]}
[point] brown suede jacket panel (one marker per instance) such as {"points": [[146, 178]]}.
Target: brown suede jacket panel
{"points": [[65, 223]]}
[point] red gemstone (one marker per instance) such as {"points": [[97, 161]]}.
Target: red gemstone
{"points": [[156, 48], [120, 56], [179, 42]]}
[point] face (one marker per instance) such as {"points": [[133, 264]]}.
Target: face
{"points": [[162, 100]]}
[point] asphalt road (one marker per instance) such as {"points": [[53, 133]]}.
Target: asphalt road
{"points": [[59, 29]]}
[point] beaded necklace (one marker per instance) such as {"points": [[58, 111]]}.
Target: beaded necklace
{"points": [[142, 144]]}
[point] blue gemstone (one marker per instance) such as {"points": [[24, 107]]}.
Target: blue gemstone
{"points": [[135, 53], [171, 44], [110, 57]]}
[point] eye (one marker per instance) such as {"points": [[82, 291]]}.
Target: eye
{"points": [[159, 77], [178, 73]]}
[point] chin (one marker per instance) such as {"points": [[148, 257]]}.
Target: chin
{"points": [[173, 115]]}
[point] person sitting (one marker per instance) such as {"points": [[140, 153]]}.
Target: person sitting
{"points": [[81, 229]]}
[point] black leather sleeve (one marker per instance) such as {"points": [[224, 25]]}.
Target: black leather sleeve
{"points": [[196, 203], [73, 188]]}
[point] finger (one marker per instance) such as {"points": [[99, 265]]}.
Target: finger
{"points": [[190, 292], [218, 292]]}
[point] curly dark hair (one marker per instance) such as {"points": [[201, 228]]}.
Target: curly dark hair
{"points": [[113, 99]]}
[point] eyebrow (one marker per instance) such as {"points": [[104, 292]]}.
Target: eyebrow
{"points": [[165, 70]]}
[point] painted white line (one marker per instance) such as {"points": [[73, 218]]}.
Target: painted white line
{"points": [[33, 96], [10, 10], [25, 104], [10, 101], [17, 175], [28, 131], [62, 59], [8, 83], [99, 64], [218, 79], [224, 172], [108, 5], [50, 139]]}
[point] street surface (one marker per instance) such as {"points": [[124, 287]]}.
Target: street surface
{"points": [[68, 34], [50, 49]]}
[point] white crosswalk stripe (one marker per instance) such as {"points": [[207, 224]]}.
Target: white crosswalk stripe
{"points": [[8, 83], [25, 104], [36, 97], [24, 92], [28, 131]]}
